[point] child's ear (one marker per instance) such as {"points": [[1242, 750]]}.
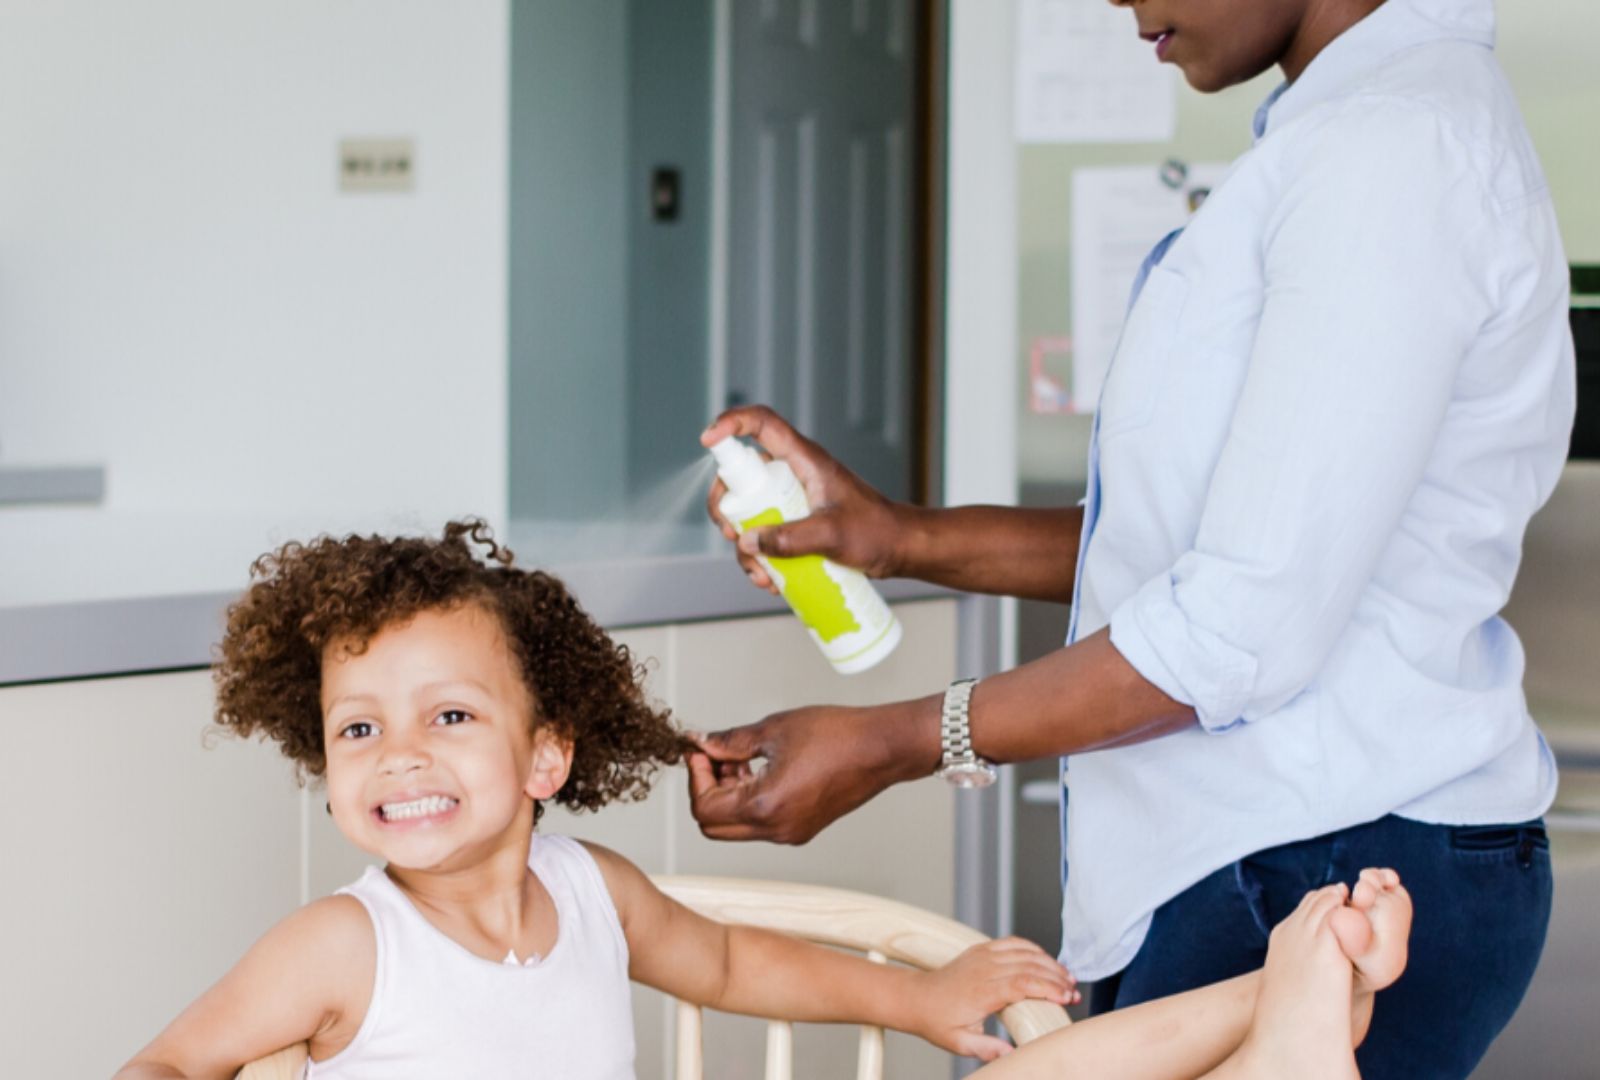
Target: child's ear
{"points": [[552, 761]]}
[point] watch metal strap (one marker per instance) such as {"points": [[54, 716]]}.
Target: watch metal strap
{"points": [[955, 729]]}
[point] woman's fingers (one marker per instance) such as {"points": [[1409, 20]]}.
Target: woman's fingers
{"points": [[757, 422], [735, 744], [714, 509], [850, 523], [718, 800], [778, 439], [810, 462], [814, 535]]}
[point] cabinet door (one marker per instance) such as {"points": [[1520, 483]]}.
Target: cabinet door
{"points": [[143, 856], [822, 182]]}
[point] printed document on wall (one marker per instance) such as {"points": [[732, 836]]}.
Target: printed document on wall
{"points": [[1084, 76], [1118, 215]]}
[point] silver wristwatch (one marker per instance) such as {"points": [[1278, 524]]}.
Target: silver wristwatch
{"points": [[959, 764]]}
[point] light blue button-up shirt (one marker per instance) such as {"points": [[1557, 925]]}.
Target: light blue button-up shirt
{"points": [[1339, 396]]}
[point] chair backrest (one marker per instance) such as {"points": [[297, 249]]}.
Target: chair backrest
{"points": [[287, 1064], [883, 930]]}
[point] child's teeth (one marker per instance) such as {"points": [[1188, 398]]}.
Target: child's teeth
{"points": [[432, 804]]}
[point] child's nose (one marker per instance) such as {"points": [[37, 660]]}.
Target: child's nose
{"points": [[402, 757]]}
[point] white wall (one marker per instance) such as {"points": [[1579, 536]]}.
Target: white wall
{"points": [[187, 299]]}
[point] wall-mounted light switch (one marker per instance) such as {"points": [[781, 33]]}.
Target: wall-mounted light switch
{"points": [[377, 165], [665, 188]]}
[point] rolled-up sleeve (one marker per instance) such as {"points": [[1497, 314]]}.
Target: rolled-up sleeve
{"points": [[1375, 291]]}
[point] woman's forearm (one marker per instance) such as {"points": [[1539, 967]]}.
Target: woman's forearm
{"points": [[1082, 697], [996, 550]]}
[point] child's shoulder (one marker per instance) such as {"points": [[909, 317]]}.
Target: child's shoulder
{"points": [[627, 884], [333, 943], [336, 931], [338, 922], [614, 868]]}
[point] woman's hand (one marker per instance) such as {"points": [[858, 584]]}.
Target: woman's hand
{"points": [[955, 1000], [850, 522], [788, 777]]}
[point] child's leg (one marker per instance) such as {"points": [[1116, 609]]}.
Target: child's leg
{"points": [[1191, 1034], [1301, 1021], [1178, 1037], [1172, 1038]]}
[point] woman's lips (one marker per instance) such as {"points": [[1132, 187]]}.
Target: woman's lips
{"points": [[1162, 40]]}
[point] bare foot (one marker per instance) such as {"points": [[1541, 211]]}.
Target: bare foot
{"points": [[1301, 1026], [1373, 930]]}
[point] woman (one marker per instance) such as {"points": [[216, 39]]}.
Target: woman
{"points": [[1339, 396]]}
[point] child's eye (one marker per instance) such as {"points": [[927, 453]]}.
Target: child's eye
{"points": [[453, 716], [358, 730]]}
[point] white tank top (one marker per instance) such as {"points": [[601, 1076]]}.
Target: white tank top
{"points": [[441, 1011]]}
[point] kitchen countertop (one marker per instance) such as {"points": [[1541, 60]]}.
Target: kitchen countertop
{"points": [[94, 638]]}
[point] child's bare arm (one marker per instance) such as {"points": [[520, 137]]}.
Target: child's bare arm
{"points": [[309, 976], [744, 970]]}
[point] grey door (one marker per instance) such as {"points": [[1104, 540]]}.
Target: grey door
{"points": [[821, 202]]}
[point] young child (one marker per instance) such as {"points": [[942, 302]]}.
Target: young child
{"points": [[444, 698]]}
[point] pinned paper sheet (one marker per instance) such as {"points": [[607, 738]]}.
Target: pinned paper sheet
{"points": [[1084, 76], [1118, 215]]}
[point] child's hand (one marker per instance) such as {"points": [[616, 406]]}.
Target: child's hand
{"points": [[955, 1000]]}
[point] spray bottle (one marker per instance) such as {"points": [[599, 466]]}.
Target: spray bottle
{"points": [[844, 614]]}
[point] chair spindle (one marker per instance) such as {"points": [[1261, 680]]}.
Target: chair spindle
{"points": [[691, 1052], [869, 1058], [780, 1050]]}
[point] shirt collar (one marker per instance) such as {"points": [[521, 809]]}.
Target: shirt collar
{"points": [[1395, 26]]}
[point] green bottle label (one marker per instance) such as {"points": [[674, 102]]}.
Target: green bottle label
{"points": [[813, 595]]}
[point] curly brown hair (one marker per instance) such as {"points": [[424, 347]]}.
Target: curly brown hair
{"points": [[585, 687]]}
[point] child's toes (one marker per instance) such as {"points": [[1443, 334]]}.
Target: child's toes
{"points": [[1391, 927], [1322, 903], [1391, 912]]}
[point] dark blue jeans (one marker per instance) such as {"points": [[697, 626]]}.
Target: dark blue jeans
{"points": [[1482, 904]]}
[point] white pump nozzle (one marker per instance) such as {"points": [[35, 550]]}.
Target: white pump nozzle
{"points": [[739, 465]]}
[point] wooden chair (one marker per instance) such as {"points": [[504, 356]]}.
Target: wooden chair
{"points": [[287, 1064], [884, 930]]}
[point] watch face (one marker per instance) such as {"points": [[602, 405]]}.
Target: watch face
{"points": [[974, 774]]}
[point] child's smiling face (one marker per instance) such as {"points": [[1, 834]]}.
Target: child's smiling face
{"points": [[431, 751]]}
